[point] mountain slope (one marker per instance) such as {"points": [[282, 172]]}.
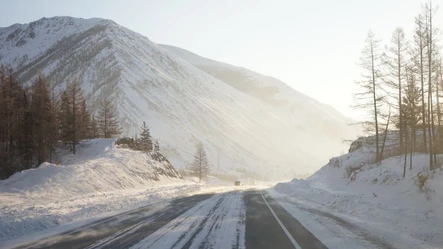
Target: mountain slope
{"points": [[182, 103], [316, 116]]}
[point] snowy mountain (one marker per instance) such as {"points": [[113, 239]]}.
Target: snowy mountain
{"points": [[248, 122], [317, 117]]}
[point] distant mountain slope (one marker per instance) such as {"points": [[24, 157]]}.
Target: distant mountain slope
{"points": [[266, 131], [315, 115]]}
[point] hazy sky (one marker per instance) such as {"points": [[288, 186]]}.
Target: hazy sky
{"points": [[314, 46]]}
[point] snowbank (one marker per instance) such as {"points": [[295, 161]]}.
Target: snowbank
{"points": [[373, 201], [99, 180], [98, 167]]}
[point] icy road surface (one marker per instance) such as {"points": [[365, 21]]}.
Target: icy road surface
{"points": [[239, 218]]}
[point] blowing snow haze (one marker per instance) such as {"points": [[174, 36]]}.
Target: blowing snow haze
{"points": [[248, 121]]}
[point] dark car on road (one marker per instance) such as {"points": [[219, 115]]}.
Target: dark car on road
{"points": [[237, 183]]}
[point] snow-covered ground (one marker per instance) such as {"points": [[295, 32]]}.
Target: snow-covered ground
{"points": [[101, 180], [218, 222], [378, 208]]}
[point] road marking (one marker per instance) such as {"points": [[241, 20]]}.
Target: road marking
{"points": [[296, 245]]}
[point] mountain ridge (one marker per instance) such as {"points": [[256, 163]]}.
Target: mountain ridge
{"points": [[182, 104]]}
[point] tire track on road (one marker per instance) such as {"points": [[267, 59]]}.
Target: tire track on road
{"points": [[213, 223]]}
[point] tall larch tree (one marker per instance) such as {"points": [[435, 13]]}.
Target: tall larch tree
{"points": [[84, 121], [145, 138], [43, 117], [70, 115], [200, 165], [108, 123], [431, 52], [395, 60], [418, 57], [370, 98]]}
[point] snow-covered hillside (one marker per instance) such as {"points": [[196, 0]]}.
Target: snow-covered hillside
{"points": [[370, 205], [100, 179], [272, 131], [304, 112]]}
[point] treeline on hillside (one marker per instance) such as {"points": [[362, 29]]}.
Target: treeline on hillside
{"points": [[402, 86], [200, 166], [142, 143], [34, 121]]}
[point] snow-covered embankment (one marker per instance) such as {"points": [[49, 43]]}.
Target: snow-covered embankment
{"points": [[100, 180], [359, 204]]}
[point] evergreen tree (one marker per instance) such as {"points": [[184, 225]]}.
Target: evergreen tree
{"points": [[411, 115], [156, 147], [26, 143], [94, 132], [108, 124], [13, 104], [84, 122], [200, 165], [412, 107], [65, 121], [145, 138], [72, 115], [43, 118]]}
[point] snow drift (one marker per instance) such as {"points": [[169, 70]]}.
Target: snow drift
{"points": [[97, 167], [374, 200], [100, 179]]}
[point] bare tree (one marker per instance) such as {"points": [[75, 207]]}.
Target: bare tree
{"points": [[438, 88], [418, 59], [200, 165], [395, 59], [431, 49], [371, 96]]}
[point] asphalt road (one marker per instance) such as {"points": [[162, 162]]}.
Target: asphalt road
{"points": [[219, 220]]}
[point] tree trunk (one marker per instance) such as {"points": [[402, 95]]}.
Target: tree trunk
{"points": [[399, 92], [74, 135], [430, 108], [410, 155], [385, 135], [406, 155], [375, 103], [438, 105], [423, 93]]}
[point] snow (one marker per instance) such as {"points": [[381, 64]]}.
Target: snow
{"points": [[181, 103], [218, 222], [379, 208], [99, 181]]}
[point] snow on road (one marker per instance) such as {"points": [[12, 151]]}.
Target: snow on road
{"points": [[218, 222], [26, 222]]}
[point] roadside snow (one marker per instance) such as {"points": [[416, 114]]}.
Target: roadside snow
{"points": [[379, 208], [21, 223], [218, 222], [99, 181]]}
